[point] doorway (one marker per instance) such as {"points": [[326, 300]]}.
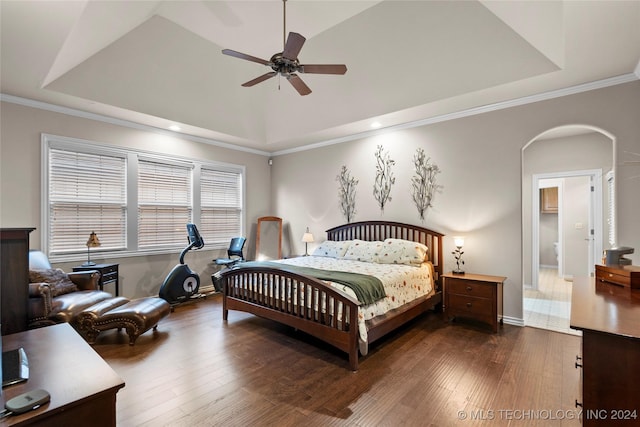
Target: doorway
{"points": [[574, 160], [577, 220]]}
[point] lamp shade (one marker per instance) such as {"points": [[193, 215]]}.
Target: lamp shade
{"points": [[307, 237], [93, 241], [458, 241]]}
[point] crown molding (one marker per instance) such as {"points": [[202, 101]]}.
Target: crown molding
{"points": [[572, 90], [585, 87], [124, 123]]}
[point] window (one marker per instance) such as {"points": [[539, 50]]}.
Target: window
{"points": [[611, 208], [87, 193], [221, 205], [164, 203], [136, 202]]}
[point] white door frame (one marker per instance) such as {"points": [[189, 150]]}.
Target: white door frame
{"points": [[595, 219]]}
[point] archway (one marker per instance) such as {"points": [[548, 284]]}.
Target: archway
{"points": [[579, 160]]}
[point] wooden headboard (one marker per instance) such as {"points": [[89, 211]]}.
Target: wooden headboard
{"points": [[380, 230]]}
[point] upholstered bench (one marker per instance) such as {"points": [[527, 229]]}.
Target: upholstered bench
{"points": [[136, 316]]}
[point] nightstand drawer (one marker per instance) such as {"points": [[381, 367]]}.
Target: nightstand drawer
{"points": [[478, 308], [109, 274], [469, 287]]}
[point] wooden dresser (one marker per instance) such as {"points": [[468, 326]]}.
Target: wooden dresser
{"points": [[623, 275], [609, 317], [82, 385], [474, 296], [14, 279]]}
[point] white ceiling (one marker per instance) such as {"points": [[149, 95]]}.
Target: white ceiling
{"points": [[160, 63]]}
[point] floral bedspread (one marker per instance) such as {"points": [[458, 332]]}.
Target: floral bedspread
{"points": [[402, 283]]}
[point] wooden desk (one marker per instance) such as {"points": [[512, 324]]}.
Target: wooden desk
{"points": [[82, 385], [609, 318]]}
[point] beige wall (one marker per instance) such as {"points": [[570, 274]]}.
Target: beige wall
{"points": [[20, 185], [480, 158]]}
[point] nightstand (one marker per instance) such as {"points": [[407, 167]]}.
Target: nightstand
{"points": [[108, 274], [474, 296]]}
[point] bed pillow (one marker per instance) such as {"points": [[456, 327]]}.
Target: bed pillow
{"points": [[57, 279], [332, 249], [360, 250], [398, 251]]}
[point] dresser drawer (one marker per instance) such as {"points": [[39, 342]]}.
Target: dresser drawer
{"points": [[620, 276], [470, 288]]}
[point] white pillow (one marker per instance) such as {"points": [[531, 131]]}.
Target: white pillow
{"points": [[332, 249], [361, 250], [398, 251]]}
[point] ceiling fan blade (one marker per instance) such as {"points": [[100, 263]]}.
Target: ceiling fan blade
{"points": [[245, 56], [293, 46], [299, 85], [323, 69], [259, 79]]}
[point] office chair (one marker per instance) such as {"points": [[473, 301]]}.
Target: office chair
{"points": [[234, 254]]}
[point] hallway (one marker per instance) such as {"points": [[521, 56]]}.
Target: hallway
{"points": [[549, 307]]}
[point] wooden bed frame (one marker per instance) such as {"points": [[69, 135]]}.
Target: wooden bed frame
{"points": [[257, 290]]}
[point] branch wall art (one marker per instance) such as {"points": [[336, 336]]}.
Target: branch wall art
{"points": [[347, 193], [384, 177], [423, 183]]}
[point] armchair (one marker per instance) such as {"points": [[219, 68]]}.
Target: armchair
{"points": [[56, 296]]}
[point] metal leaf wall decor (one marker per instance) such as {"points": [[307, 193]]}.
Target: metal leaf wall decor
{"points": [[384, 178], [423, 183], [347, 193]]}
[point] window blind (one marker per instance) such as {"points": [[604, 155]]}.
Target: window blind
{"points": [[221, 205], [611, 208], [87, 192], [164, 203]]}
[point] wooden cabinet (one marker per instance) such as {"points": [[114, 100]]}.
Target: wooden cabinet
{"points": [[609, 318], [474, 296], [108, 275], [14, 279], [549, 200]]}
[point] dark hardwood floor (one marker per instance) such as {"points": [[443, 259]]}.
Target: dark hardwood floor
{"points": [[198, 371]]}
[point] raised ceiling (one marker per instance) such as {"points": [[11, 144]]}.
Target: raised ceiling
{"points": [[160, 63]]}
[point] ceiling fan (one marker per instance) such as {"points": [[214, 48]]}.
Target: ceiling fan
{"points": [[286, 63]]}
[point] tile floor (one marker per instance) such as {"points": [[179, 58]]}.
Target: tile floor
{"points": [[549, 307]]}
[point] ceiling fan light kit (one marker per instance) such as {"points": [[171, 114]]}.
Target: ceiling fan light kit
{"points": [[286, 63]]}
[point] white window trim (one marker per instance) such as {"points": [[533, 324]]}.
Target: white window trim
{"points": [[82, 145]]}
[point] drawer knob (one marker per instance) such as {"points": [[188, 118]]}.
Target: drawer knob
{"points": [[469, 288], [469, 304], [610, 275]]}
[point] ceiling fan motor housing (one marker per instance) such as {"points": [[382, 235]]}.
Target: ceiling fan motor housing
{"points": [[283, 65]]}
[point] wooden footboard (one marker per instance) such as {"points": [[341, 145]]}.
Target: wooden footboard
{"points": [[295, 300], [317, 308]]}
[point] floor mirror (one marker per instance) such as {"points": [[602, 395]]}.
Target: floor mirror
{"points": [[269, 238]]}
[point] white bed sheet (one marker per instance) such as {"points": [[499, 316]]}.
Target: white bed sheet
{"points": [[402, 283]]}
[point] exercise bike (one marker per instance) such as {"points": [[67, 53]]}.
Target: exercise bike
{"points": [[182, 283]]}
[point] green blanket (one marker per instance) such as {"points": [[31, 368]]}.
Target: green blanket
{"points": [[368, 289]]}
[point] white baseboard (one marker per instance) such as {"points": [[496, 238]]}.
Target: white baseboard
{"points": [[515, 321]]}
